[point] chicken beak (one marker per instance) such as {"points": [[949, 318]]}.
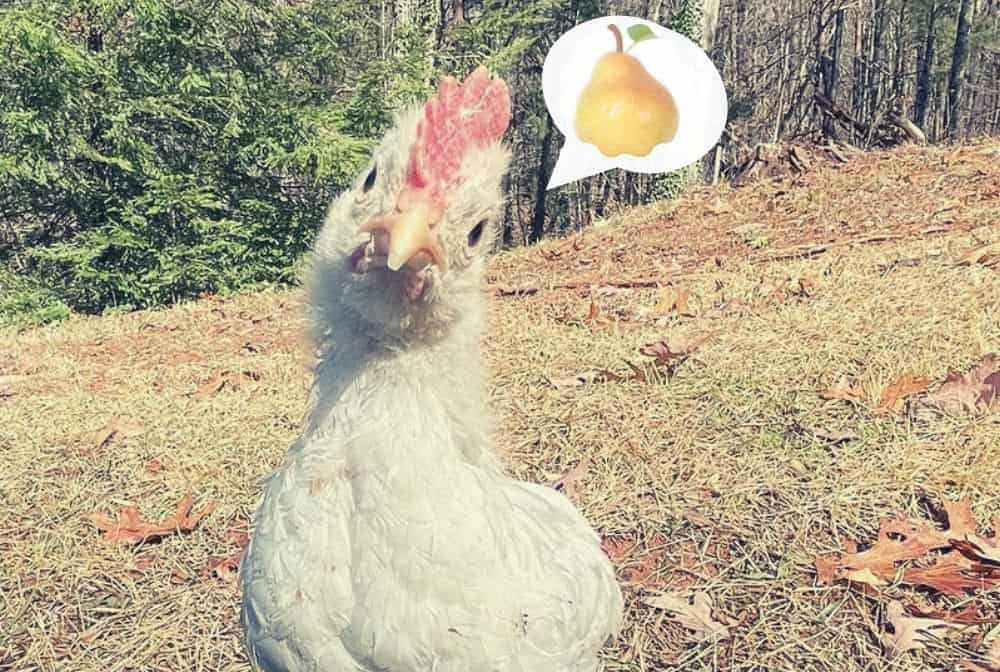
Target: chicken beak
{"points": [[410, 230]]}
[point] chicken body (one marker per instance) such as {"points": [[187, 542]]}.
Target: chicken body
{"points": [[390, 538]]}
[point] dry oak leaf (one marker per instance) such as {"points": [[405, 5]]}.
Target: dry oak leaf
{"points": [[567, 483], [910, 632], [846, 389], [896, 392], [970, 615], [596, 316], [972, 392], [693, 610], [980, 549], [226, 567], [953, 574], [900, 540], [130, 528]]}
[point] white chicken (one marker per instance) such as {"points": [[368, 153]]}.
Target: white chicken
{"points": [[390, 538]]}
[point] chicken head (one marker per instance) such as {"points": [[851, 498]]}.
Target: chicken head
{"points": [[401, 252]]}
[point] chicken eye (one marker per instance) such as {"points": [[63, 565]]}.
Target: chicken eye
{"points": [[370, 180], [476, 233]]}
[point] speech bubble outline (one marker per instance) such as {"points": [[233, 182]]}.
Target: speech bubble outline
{"points": [[674, 60]]}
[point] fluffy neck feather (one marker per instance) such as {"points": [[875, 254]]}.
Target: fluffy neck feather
{"points": [[440, 369]]}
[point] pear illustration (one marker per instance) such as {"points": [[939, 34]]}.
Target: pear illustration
{"points": [[624, 109]]}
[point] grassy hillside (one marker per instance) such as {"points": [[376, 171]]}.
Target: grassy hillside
{"points": [[728, 475]]}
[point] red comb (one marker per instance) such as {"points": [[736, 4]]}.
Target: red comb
{"points": [[460, 117]]}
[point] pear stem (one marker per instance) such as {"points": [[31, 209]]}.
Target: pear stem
{"points": [[618, 36]]}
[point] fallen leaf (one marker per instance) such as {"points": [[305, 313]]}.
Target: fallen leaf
{"points": [[804, 287], [910, 632], [143, 564], [961, 521], [662, 353], [617, 549], [973, 392], [670, 299], [89, 636], [567, 482], [180, 576], [973, 667], [987, 255], [118, 427], [970, 615], [951, 574], [667, 358], [896, 392], [901, 540], [865, 576], [154, 465], [846, 389], [642, 570], [225, 567], [697, 519], [130, 528], [212, 386], [978, 548], [693, 611], [222, 380], [595, 315]]}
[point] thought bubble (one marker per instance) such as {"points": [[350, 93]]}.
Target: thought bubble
{"points": [[673, 61]]}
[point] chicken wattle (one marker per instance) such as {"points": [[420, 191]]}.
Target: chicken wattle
{"points": [[390, 537]]}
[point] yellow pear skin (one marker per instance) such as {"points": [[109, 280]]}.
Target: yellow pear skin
{"points": [[624, 109]]}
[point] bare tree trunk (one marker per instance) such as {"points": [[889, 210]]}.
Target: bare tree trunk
{"points": [[924, 68], [538, 218], [874, 76], [508, 219], [859, 91], [782, 85], [709, 23], [959, 57], [831, 70], [903, 44]]}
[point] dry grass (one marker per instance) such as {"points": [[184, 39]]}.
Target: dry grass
{"points": [[712, 480]]}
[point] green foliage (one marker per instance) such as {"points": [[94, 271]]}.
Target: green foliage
{"points": [[503, 36], [687, 20], [640, 32], [25, 303], [155, 150]]}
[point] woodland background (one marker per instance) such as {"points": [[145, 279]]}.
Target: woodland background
{"points": [[154, 150]]}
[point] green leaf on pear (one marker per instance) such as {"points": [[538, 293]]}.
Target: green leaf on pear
{"points": [[640, 32]]}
